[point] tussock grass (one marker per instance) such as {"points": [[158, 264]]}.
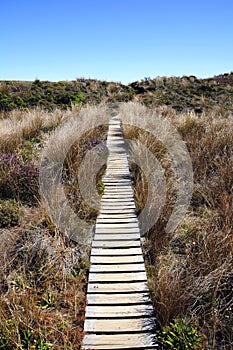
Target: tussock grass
{"points": [[42, 291], [44, 274], [20, 125], [190, 270]]}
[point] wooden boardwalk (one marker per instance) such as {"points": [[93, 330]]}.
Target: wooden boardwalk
{"points": [[119, 313]]}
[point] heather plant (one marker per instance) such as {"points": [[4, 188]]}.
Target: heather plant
{"points": [[18, 180]]}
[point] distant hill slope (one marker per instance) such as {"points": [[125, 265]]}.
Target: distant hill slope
{"points": [[180, 93]]}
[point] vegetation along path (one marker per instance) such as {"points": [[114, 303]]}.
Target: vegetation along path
{"points": [[119, 313]]}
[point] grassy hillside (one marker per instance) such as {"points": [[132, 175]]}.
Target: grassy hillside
{"points": [[43, 274], [185, 93]]}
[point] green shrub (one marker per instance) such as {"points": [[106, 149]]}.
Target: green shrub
{"points": [[180, 336], [27, 338], [9, 213]]}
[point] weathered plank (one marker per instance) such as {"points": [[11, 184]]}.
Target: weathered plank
{"points": [[137, 341], [117, 268], [117, 230], [121, 298], [117, 225], [110, 180], [118, 212], [104, 219], [124, 325], [117, 277], [118, 197], [105, 210], [107, 200], [119, 287], [116, 311], [113, 192], [120, 259], [116, 236], [124, 251], [115, 244], [117, 206]]}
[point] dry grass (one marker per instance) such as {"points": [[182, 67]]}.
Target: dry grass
{"points": [[44, 274], [20, 125], [190, 270], [43, 285]]}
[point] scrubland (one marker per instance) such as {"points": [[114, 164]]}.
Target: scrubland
{"points": [[44, 274]]}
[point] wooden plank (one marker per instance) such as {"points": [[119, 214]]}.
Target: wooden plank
{"points": [[117, 176], [116, 259], [116, 184], [118, 169], [123, 298], [139, 341], [118, 215], [117, 230], [116, 188], [118, 197], [118, 191], [117, 225], [115, 180], [104, 219], [106, 210], [117, 268], [116, 236], [125, 325], [125, 251], [114, 162], [119, 287], [122, 173], [117, 277], [118, 209], [120, 212], [114, 311], [108, 183], [117, 206], [109, 219], [116, 244], [108, 200]]}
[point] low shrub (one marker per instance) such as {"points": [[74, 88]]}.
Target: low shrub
{"points": [[9, 213], [179, 335], [18, 180]]}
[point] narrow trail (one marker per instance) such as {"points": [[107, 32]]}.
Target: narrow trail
{"points": [[119, 312]]}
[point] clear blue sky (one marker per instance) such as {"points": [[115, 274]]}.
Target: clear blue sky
{"points": [[114, 40]]}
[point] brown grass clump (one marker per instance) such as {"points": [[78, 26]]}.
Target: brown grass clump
{"points": [[18, 126], [43, 285]]}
